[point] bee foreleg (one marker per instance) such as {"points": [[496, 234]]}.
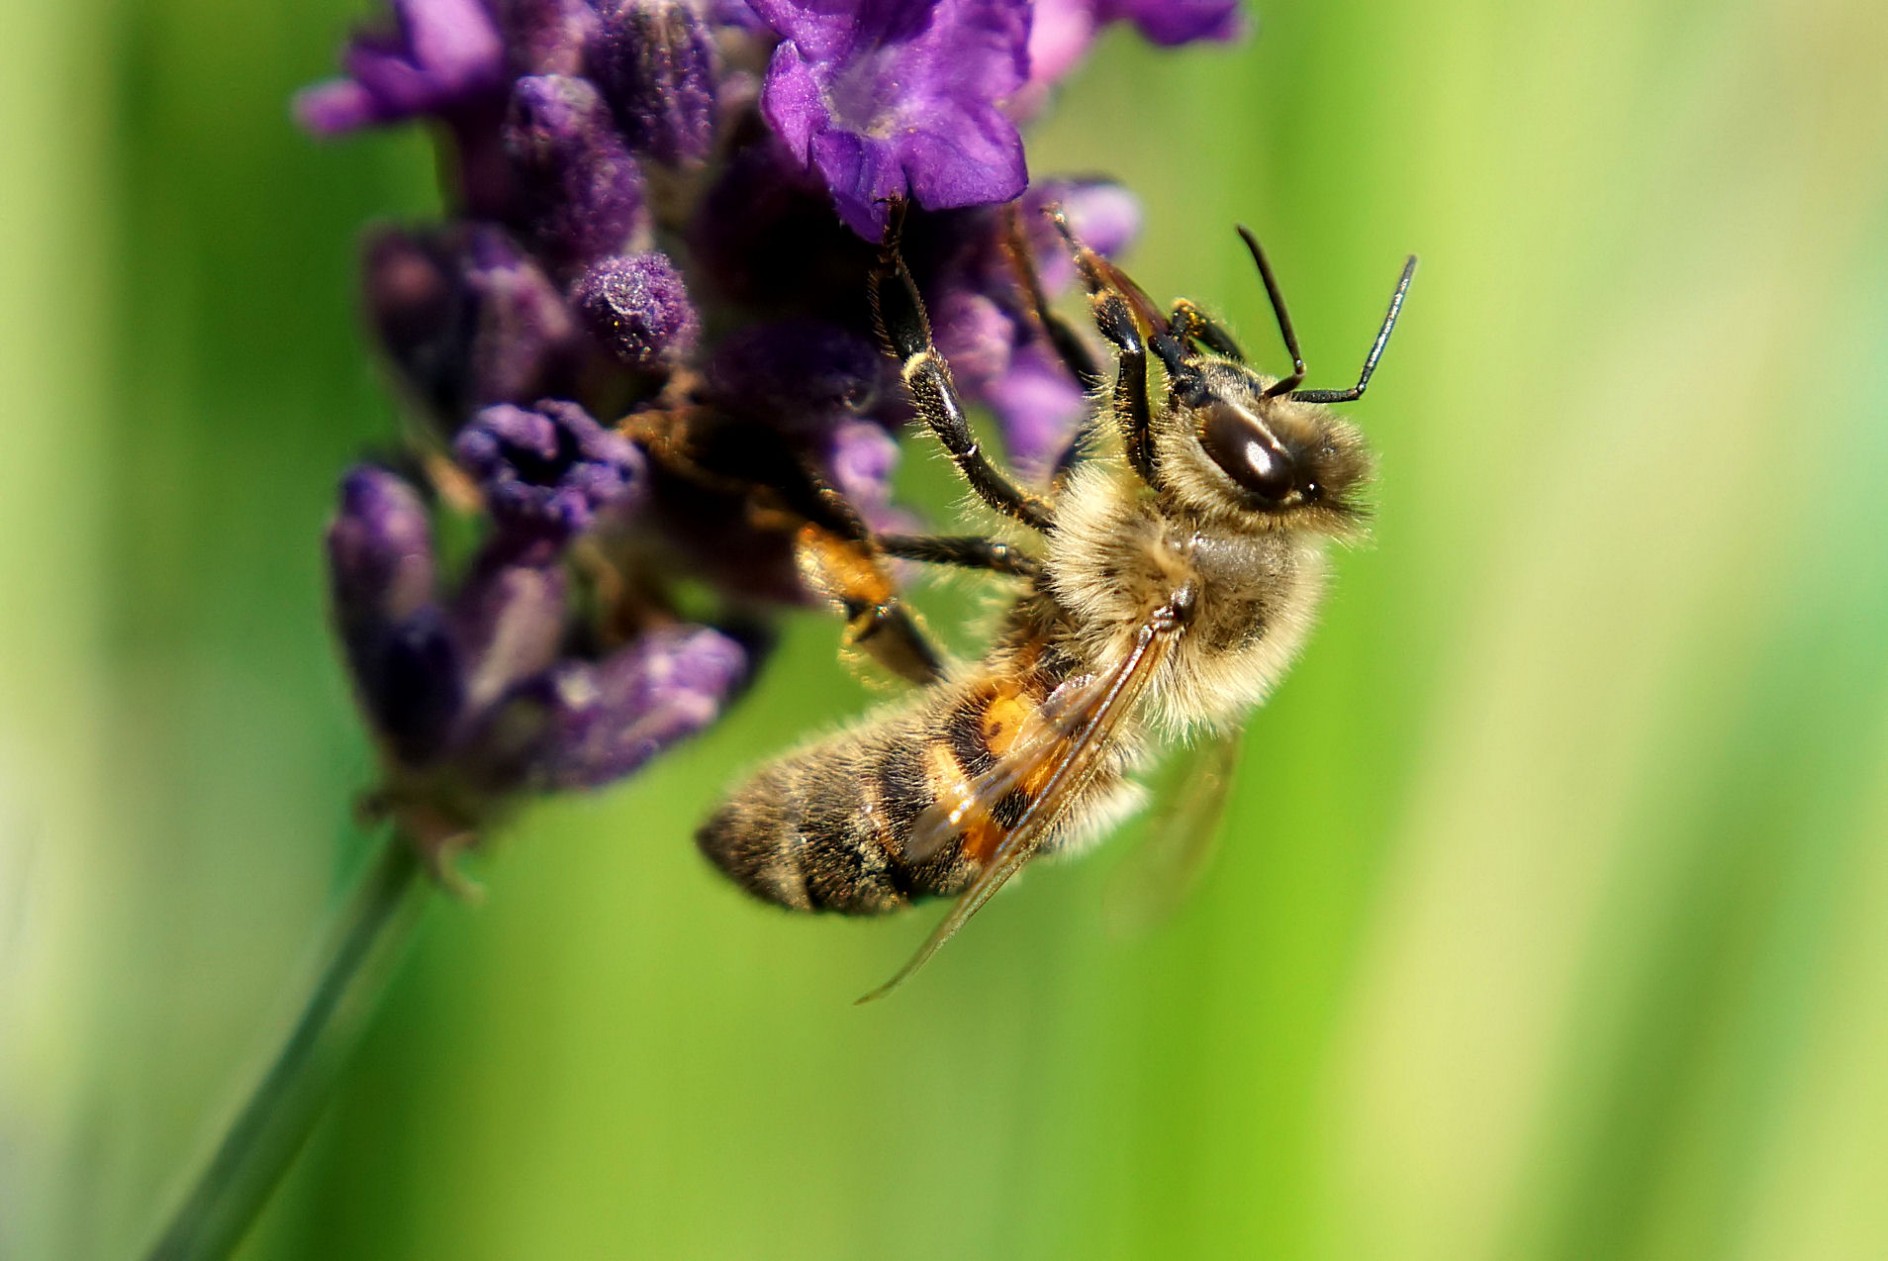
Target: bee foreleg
{"points": [[967, 552], [1112, 299], [1188, 323], [898, 309]]}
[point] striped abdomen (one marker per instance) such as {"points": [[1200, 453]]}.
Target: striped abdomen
{"points": [[826, 828]]}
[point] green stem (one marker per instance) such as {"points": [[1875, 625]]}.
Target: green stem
{"points": [[285, 1104]]}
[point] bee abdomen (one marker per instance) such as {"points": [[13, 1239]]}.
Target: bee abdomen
{"points": [[823, 829]]}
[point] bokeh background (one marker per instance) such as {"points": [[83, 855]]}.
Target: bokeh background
{"points": [[1552, 918]]}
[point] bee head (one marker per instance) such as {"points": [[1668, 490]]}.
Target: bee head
{"points": [[1238, 442], [1230, 444]]}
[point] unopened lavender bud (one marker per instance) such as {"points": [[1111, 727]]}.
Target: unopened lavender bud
{"points": [[1104, 216], [410, 680], [975, 335], [380, 549], [1038, 405], [399, 650], [580, 191], [467, 319], [547, 472], [525, 341], [605, 719], [509, 619], [654, 62], [1172, 22], [637, 307], [549, 36]]}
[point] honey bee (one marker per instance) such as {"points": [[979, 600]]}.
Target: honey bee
{"points": [[1176, 562]]}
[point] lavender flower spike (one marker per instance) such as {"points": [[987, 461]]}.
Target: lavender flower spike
{"points": [[892, 98]]}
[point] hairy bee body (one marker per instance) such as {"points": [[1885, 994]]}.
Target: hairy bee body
{"points": [[825, 828], [1177, 561]]}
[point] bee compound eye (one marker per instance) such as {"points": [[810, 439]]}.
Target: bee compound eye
{"points": [[1249, 454]]}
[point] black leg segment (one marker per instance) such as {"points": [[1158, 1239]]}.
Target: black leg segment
{"points": [[963, 551], [1114, 300], [906, 331]]}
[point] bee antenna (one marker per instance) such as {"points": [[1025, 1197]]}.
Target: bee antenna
{"points": [[1297, 377], [1376, 348]]}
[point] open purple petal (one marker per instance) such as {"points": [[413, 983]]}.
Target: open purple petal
{"points": [[886, 98], [442, 55]]}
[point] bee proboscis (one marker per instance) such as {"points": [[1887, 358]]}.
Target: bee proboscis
{"points": [[1177, 561]]}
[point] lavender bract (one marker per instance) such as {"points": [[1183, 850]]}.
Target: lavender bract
{"points": [[640, 347]]}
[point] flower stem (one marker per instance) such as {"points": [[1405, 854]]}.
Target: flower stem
{"points": [[278, 1115]]}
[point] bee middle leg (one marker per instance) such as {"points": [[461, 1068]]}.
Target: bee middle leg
{"points": [[878, 623], [898, 309], [963, 551], [1061, 338]]}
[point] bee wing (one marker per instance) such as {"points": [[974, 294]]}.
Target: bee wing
{"points": [[1055, 761], [1181, 838]]}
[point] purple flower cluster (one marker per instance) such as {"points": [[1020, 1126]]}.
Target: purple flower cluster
{"points": [[639, 345]]}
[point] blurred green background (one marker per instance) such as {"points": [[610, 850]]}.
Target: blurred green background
{"points": [[1552, 921]]}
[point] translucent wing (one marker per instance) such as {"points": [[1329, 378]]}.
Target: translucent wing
{"points": [[1051, 763], [1181, 837]]}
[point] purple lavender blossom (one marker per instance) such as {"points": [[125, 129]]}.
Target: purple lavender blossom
{"points": [[405, 664], [468, 691], [549, 36], [897, 98], [1063, 31], [442, 55], [548, 473], [803, 374], [467, 318], [1171, 22]]}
